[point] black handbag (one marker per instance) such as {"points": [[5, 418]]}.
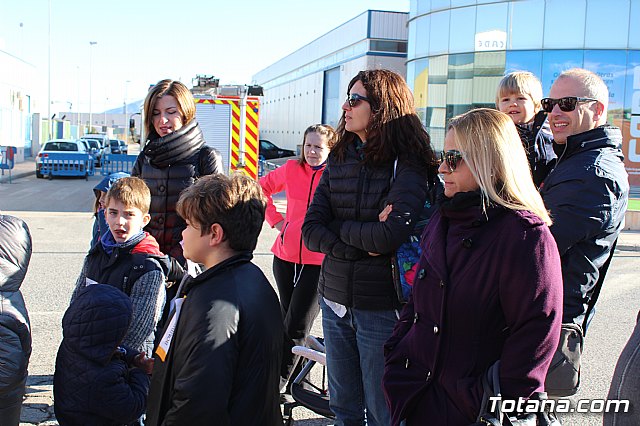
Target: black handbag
{"points": [[492, 414]]}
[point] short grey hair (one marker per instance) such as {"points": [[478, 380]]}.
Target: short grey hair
{"points": [[593, 85]]}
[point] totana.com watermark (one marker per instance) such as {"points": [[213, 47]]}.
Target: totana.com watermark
{"points": [[522, 405]]}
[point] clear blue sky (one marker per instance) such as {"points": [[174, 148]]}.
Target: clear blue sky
{"points": [[143, 41]]}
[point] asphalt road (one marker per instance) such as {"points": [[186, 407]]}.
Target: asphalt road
{"points": [[58, 213]]}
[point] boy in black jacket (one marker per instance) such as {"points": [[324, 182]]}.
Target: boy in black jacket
{"points": [[218, 360]]}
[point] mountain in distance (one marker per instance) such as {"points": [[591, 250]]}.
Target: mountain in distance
{"points": [[132, 107]]}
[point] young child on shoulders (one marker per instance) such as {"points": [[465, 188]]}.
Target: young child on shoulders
{"points": [[518, 95], [219, 355], [97, 381], [100, 191], [129, 259]]}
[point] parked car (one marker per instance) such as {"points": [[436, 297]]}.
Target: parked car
{"points": [[117, 146], [95, 149], [68, 146], [269, 150]]}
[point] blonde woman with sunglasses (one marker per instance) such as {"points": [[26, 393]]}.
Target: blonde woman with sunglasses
{"points": [[488, 285]]}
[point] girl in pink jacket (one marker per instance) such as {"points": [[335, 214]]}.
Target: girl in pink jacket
{"points": [[295, 268]]}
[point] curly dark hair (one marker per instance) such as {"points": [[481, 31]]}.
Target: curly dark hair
{"points": [[394, 128]]}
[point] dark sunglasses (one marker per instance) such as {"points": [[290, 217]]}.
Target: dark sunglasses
{"points": [[566, 104], [452, 158], [353, 99]]}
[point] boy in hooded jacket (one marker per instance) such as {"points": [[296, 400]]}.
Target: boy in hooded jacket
{"points": [[129, 259], [15, 329], [96, 381], [100, 191]]}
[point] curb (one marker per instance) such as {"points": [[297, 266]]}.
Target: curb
{"points": [[628, 247], [16, 175]]}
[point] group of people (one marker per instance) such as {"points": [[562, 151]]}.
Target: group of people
{"points": [[530, 197]]}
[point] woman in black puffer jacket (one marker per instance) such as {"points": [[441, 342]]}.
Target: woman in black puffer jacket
{"points": [[173, 157], [379, 127]]}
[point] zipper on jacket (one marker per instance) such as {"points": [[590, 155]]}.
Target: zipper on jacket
{"points": [[555, 165], [313, 178], [284, 229]]}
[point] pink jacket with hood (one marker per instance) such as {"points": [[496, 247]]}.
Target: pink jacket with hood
{"points": [[299, 182]]}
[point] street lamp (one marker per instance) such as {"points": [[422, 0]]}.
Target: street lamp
{"points": [[126, 86], [91, 43]]}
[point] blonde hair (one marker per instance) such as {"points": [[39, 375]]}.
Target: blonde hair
{"points": [[491, 147], [520, 82]]}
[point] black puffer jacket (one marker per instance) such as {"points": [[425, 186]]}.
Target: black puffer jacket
{"points": [[169, 165], [15, 330], [342, 222], [92, 383]]}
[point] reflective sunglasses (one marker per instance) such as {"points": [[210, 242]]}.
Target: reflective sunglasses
{"points": [[451, 158], [354, 99], [566, 104]]}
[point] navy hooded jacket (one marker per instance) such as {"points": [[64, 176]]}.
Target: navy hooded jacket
{"points": [[93, 384]]}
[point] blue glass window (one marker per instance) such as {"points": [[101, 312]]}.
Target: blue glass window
{"points": [[607, 24], [556, 61], [611, 66], [438, 34], [526, 20], [462, 30], [564, 24], [492, 17], [524, 60], [634, 29], [422, 36]]}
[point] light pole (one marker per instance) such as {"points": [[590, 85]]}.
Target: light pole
{"points": [[125, 127], [49, 120], [106, 105], [91, 44]]}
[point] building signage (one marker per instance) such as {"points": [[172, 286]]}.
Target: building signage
{"points": [[491, 40]]}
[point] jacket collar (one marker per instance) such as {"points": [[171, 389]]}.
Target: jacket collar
{"points": [[175, 147], [601, 137], [232, 262]]}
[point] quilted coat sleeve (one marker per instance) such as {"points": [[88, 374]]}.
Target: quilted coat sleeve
{"points": [[317, 233], [137, 166], [120, 397], [211, 163], [272, 183], [407, 195], [13, 358]]}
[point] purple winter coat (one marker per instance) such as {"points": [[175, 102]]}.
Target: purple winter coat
{"points": [[487, 287]]}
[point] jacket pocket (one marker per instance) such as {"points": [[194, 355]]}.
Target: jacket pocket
{"points": [[284, 230]]}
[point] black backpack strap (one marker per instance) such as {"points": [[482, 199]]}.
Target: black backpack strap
{"points": [[142, 263], [596, 289]]}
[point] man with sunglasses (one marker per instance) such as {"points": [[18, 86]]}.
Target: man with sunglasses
{"points": [[586, 193]]}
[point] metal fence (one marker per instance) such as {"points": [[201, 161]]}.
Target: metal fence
{"points": [[66, 164], [114, 163]]}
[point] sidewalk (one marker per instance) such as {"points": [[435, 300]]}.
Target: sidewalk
{"points": [[629, 239], [20, 170]]}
